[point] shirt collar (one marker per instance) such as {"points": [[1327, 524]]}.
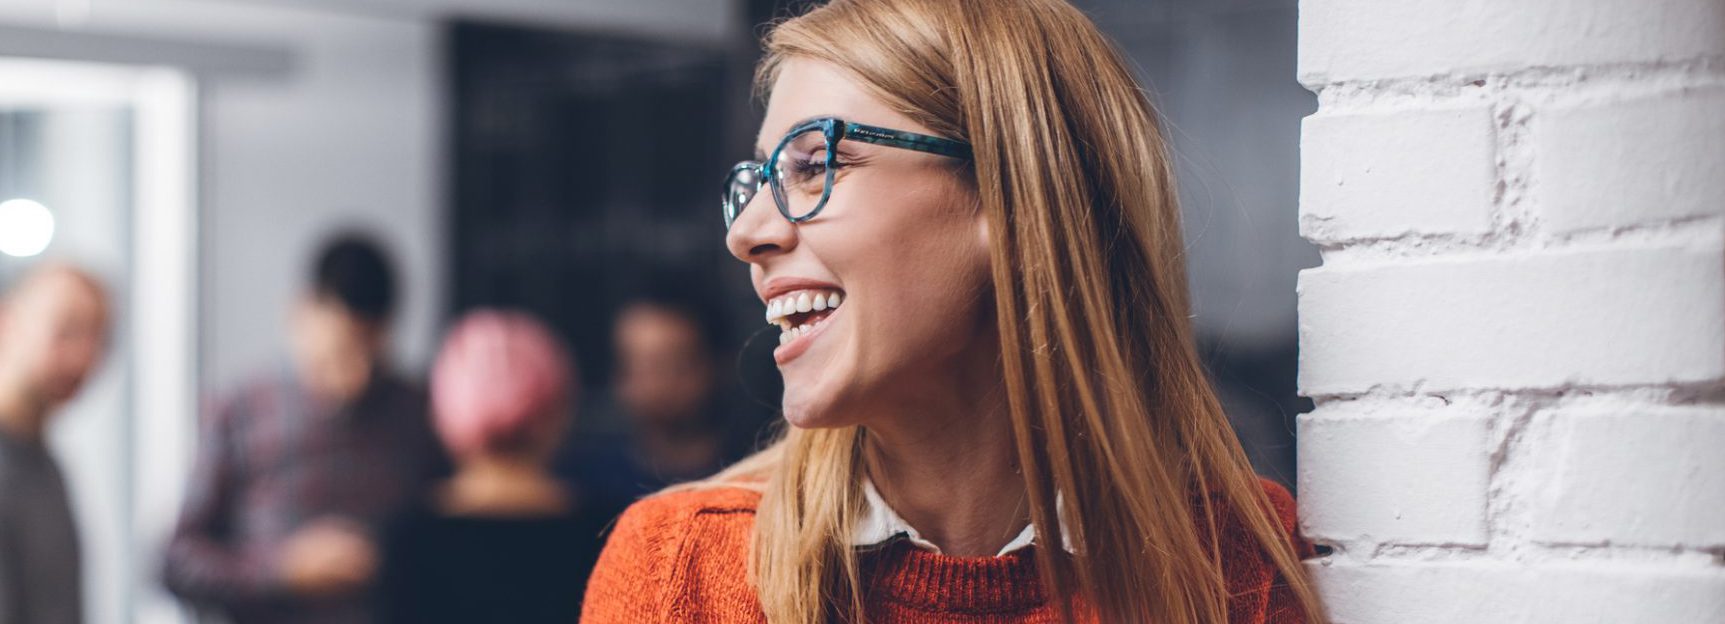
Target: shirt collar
{"points": [[879, 524]]}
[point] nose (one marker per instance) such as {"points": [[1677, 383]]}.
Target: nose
{"points": [[760, 231]]}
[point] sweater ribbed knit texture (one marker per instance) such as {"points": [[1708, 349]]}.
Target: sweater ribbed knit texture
{"points": [[683, 557]]}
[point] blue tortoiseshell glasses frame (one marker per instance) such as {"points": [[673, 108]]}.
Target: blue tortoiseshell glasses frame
{"points": [[747, 177]]}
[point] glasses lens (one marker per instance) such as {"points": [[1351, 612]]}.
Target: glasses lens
{"points": [[740, 188], [800, 175]]}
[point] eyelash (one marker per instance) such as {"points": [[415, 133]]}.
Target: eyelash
{"points": [[819, 166]]}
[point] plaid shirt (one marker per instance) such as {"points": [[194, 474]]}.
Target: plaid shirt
{"points": [[272, 459]]}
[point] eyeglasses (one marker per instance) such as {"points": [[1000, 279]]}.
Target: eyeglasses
{"points": [[802, 184]]}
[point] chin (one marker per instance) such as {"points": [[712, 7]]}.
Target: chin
{"points": [[807, 412], [817, 405], [60, 394]]}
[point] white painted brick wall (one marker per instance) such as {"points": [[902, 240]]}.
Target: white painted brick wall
{"points": [[1609, 316], [1365, 39], [1646, 159], [1429, 468], [1385, 175], [1640, 475], [1485, 592], [1516, 342]]}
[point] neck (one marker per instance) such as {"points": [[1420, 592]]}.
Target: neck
{"points": [[680, 429], [21, 412], [496, 485], [339, 383], [946, 463]]}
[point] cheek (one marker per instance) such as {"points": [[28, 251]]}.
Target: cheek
{"points": [[44, 356], [920, 272], [932, 308], [83, 352], [924, 228]]}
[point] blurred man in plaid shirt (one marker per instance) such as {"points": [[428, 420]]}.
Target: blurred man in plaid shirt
{"points": [[298, 469]]}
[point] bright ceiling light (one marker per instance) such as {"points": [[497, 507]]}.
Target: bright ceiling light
{"points": [[25, 227]]}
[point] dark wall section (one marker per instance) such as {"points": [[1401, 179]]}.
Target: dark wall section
{"points": [[583, 163]]}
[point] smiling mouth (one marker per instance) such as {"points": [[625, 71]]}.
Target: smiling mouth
{"points": [[800, 312]]}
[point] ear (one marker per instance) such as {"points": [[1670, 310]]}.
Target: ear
{"points": [[984, 234]]}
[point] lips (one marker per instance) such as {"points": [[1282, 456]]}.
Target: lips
{"points": [[801, 308]]}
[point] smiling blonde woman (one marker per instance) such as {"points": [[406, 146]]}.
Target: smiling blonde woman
{"points": [[962, 219]]}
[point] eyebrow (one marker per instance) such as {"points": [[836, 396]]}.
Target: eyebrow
{"points": [[810, 118]]}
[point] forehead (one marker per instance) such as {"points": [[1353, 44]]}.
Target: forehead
{"points": [[59, 296], [806, 88]]}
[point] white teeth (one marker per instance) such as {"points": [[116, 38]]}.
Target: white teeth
{"points": [[802, 302], [787, 333]]}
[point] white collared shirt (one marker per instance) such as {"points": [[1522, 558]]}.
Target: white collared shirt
{"points": [[879, 524]]}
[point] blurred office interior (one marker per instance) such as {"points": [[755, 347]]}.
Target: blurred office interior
{"points": [[547, 155]]}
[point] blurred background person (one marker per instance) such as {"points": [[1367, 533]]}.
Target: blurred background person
{"points": [[502, 539], [53, 331], [671, 421], [297, 470], [537, 155]]}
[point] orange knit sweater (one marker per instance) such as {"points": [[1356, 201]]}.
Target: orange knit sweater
{"points": [[683, 557]]}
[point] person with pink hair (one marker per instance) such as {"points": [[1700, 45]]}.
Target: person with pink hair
{"points": [[501, 540], [500, 389]]}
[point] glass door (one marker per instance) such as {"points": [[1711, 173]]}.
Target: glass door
{"points": [[96, 169]]}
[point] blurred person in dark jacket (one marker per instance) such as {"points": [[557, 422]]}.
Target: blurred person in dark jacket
{"points": [[53, 331], [298, 469], [502, 540], [677, 423]]}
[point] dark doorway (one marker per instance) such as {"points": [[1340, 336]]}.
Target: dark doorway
{"points": [[580, 164]]}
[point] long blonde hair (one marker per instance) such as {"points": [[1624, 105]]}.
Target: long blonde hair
{"points": [[1108, 402]]}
